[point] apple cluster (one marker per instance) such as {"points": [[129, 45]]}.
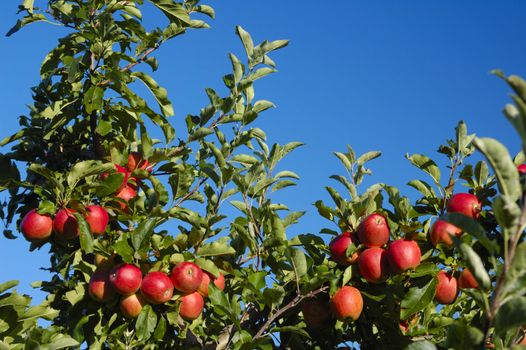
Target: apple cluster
{"points": [[157, 287], [441, 233], [65, 226], [377, 258]]}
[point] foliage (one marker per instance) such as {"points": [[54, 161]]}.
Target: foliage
{"points": [[87, 121]]}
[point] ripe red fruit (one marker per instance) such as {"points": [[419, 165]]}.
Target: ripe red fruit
{"points": [[373, 231], [373, 265], [126, 279], [316, 311], [467, 280], [441, 232], [97, 218], [218, 281], [136, 161], [125, 172], [127, 193], [191, 306], [521, 168], [347, 303], [131, 305], [186, 277], [464, 203], [35, 226], [403, 254], [65, 224], [339, 246], [447, 288], [99, 286], [157, 288]]}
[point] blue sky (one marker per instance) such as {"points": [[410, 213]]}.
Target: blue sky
{"points": [[390, 76]]}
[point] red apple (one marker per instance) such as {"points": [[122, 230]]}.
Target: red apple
{"points": [[65, 224], [36, 227], [316, 311], [447, 288], [99, 286], [126, 279], [338, 248], [441, 232], [131, 305], [467, 280], [218, 281], [125, 172], [373, 265], [464, 203], [191, 306], [373, 231], [521, 168], [186, 276], [403, 254], [137, 161], [347, 303], [157, 288], [97, 218], [127, 193]]}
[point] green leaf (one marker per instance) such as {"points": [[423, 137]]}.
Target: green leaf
{"points": [[426, 164], [160, 94], [87, 168], [510, 315], [40, 311], [474, 263], [463, 337], [143, 232], [86, 240], [503, 166], [8, 285], [299, 261], [207, 10], [364, 158], [246, 39], [421, 345], [123, 249], [217, 248], [25, 21], [278, 229], [62, 341], [417, 299], [146, 322], [471, 227], [174, 11], [207, 265], [199, 134], [93, 99]]}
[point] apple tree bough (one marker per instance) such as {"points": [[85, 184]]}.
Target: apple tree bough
{"points": [[446, 270]]}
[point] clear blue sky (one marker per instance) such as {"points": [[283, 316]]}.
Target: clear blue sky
{"points": [[390, 76]]}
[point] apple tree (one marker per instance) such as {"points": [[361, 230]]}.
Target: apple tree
{"points": [[145, 251]]}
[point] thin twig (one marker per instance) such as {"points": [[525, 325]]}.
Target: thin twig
{"points": [[287, 307]]}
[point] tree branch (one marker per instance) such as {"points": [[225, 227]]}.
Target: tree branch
{"points": [[289, 306]]}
